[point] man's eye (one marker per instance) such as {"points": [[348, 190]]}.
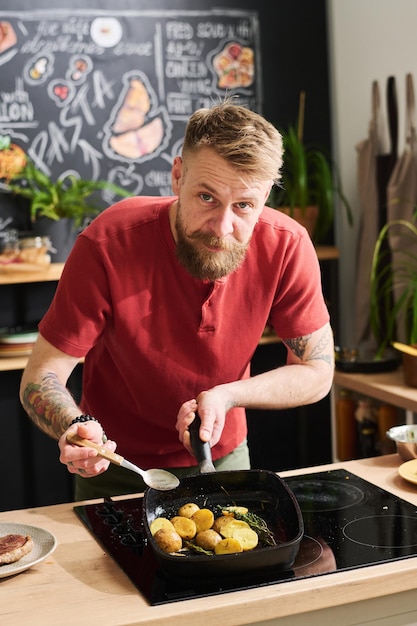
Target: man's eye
{"points": [[206, 197], [244, 206]]}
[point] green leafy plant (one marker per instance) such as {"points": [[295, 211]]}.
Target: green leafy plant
{"points": [[68, 197], [309, 178], [394, 284]]}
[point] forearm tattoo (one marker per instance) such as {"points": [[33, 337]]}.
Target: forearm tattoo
{"points": [[46, 404], [299, 346]]}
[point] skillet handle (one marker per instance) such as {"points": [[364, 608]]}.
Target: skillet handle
{"points": [[200, 448]]}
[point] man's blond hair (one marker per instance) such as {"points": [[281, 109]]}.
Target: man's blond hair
{"points": [[245, 139]]}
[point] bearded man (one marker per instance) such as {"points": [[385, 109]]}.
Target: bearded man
{"points": [[166, 299]]}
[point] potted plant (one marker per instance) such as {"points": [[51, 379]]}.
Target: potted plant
{"points": [[68, 197], [58, 208], [310, 183], [393, 286]]}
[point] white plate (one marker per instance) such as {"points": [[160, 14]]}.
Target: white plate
{"points": [[16, 338], [408, 471], [44, 543]]}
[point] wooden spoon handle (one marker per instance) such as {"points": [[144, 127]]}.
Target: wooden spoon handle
{"points": [[113, 457], [403, 347]]}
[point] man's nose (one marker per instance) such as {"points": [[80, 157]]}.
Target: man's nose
{"points": [[223, 223]]}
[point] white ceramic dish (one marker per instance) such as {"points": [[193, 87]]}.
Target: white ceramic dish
{"points": [[44, 543], [17, 338]]}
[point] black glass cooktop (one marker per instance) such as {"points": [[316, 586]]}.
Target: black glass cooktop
{"points": [[349, 523]]}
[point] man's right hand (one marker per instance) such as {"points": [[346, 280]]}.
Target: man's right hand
{"points": [[84, 461]]}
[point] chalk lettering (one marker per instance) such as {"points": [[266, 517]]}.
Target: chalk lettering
{"points": [[128, 48], [209, 30], [177, 49], [179, 105], [16, 112], [202, 86], [186, 69], [179, 30], [156, 178]]}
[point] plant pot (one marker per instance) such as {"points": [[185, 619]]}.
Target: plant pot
{"points": [[307, 217], [410, 369], [62, 234]]}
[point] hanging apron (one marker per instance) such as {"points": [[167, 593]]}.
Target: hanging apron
{"points": [[402, 195], [368, 151]]}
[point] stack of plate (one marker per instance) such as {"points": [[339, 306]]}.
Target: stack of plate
{"points": [[17, 342]]}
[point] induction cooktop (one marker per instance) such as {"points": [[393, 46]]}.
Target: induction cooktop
{"points": [[349, 523]]}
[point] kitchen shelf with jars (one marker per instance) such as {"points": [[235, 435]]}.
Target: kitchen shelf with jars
{"points": [[14, 348], [364, 406]]}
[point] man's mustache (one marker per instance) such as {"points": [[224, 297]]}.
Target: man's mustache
{"points": [[215, 242]]}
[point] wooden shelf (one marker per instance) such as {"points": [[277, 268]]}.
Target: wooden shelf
{"points": [[15, 277], [9, 363], [327, 253], [387, 387]]}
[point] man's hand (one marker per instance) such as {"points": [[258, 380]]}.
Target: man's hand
{"points": [[84, 461], [212, 407]]}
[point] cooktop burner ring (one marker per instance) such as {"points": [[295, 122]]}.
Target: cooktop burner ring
{"points": [[310, 552], [381, 531], [319, 496]]}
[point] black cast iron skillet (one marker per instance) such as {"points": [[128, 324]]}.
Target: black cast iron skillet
{"points": [[261, 491]]}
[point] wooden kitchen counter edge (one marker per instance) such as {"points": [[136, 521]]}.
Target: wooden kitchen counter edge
{"points": [[79, 581]]}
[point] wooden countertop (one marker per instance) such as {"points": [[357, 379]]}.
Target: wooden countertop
{"points": [[80, 584]]}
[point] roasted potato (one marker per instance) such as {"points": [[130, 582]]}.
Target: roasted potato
{"points": [[247, 538], [203, 519], [185, 527], [231, 510], [168, 540], [208, 539], [228, 530], [219, 522], [160, 522], [228, 546], [197, 527], [187, 510]]}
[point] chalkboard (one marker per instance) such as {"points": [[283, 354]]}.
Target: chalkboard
{"points": [[106, 94]]}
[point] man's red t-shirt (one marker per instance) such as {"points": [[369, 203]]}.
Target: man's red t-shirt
{"points": [[154, 337]]}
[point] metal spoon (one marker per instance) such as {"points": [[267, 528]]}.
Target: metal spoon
{"points": [[156, 478]]}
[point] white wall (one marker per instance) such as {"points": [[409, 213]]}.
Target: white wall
{"points": [[369, 40]]}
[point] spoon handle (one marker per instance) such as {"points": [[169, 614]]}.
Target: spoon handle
{"points": [[113, 457], [404, 347]]}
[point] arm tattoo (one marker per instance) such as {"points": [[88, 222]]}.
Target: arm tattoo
{"points": [[299, 346], [46, 404]]}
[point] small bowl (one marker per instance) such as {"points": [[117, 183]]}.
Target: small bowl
{"points": [[405, 438]]}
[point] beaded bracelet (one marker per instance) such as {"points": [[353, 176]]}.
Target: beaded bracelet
{"points": [[87, 418]]}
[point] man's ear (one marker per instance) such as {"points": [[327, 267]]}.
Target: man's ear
{"points": [[176, 174]]}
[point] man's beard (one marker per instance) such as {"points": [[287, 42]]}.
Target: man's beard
{"points": [[202, 263]]}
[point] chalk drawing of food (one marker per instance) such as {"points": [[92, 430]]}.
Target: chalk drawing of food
{"points": [[7, 36], [12, 158], [137, 143], [135, 107], [234, 66], [137, 129]]}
